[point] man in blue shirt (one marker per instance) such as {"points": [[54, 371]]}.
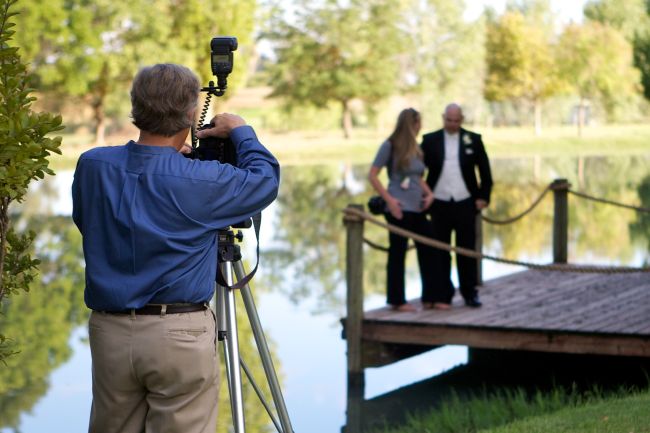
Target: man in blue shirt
{"points": [[149, 219]]}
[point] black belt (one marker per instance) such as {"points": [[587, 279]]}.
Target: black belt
{"points": [[160, 309]]}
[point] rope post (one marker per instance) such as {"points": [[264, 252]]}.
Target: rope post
{"points": [[479, 248], [560, 189], [354, 301]]}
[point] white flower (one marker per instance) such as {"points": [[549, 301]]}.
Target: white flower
{"points": [[467, 140]]}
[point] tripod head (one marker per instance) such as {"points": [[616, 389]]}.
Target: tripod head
{"points": [[228, 250]]}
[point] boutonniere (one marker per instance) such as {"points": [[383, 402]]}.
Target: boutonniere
{"points": [[467, 140]]}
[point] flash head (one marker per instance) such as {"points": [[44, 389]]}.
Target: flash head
{"points": [[222, 59]]}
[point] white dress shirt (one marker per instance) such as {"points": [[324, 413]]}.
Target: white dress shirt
{"points": [[451, 185]]}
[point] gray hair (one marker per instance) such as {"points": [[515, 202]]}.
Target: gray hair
{"points": [[163, 96]]}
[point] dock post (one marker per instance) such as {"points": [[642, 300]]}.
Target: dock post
{"points": [[560, 189], [354, 317], [479, 248]]}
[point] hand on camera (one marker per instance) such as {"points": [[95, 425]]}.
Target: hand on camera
{"points": [[223, 124]]}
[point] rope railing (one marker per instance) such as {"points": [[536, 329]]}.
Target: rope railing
{"points": [[511, 220], [477, 255], [610, 202]]}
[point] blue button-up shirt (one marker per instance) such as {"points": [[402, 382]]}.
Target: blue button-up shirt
{"points": [[149, 218]]}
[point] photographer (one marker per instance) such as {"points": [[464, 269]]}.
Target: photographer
{"points": [[149, 219]]}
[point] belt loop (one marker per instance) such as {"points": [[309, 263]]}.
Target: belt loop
{"points": [[163, 310], [132, 313]]}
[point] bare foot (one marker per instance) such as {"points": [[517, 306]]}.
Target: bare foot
{"points": [[435, 306], [403, 307]]}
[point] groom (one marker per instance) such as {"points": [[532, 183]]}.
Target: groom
{"points": [[452, 156]]}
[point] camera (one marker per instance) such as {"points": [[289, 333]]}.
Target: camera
{"points": [[221, 62]]}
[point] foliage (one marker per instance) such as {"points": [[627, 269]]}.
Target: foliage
{"points": [[628, 16], [332, 55], [91, 49], [195, 22], [23, 158], [632, 19], [444, 56], [642, 61], [596, 61], [520, 62]]}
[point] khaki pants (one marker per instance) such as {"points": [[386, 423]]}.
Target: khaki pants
{"points": [[153, 373]]}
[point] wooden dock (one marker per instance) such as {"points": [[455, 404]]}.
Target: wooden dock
{"points": [[599, 312], [530, 310]]}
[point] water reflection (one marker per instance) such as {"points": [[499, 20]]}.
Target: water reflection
{"points": [[304, 263], [41, 321]]}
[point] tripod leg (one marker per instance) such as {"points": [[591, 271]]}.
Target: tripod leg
{"points": [[222, 334], [231, 350], [263, 349]]}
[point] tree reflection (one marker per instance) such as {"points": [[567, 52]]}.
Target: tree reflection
{"points": [[43, 320], [255, 415], [307, 255], [641, 227], [596, 230], [307, 258]]}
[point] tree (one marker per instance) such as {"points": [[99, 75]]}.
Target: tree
{"points": [[192, 30], [642, 62], [335, 53], [520, 63], [632, 19], [596, 61], [23, 157], [444, 55], [91, 49], [628, 16]]}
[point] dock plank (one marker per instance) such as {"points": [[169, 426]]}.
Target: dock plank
{"points": [[533, 310]]}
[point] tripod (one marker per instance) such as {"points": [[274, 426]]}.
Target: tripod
{"points": [[229, 262]]}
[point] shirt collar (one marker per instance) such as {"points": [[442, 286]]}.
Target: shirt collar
{"points": [[451, 137], [132, 146]]}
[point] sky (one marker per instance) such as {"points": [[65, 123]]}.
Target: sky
{"points": [[567, 10]]}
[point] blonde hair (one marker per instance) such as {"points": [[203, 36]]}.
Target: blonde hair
{"points": [[162, 98], [403, 140]]}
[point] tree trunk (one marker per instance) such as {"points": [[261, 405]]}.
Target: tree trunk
{"points": [[100, 124], [346, 119], [98, 98], [581, 116], [538, 117], [4, 228]]}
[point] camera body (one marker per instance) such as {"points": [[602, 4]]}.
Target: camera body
{"points": [[214, 149], [221, 62]]}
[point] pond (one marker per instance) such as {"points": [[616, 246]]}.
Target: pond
{"points": [[300, 286]]}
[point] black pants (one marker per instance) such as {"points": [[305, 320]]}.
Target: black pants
{"points": [[395, 268], [448, 216]]}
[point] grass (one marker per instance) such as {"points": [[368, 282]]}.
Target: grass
{"points": [[554, 412], [329, 146], [629, 414]]}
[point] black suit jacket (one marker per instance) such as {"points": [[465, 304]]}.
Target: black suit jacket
{"points": [[471, 155]]}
